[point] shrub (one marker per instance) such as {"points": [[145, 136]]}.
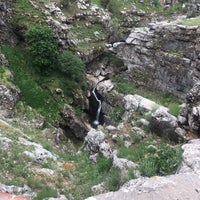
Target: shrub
{"points": [[104, 3], [113, 181], [103, 164], [72, 66], [46, 192], [43, 47]]}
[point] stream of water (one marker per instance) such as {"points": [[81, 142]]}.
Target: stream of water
{"points": [[96, 121]]}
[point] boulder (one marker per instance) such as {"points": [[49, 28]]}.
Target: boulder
{"points": [[139, 103], [179, 186], [122, 163], [164, 124], [12, 189], [95, 143], [189, 116], [38, 153], [191, 157]]}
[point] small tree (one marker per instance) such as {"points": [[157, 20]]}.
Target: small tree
{"points": [[43, 47], [72, 66]]}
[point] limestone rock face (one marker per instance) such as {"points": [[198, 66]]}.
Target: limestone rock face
{"points": [[189, 116], [6, 32], [139, 103], [180, 186], [162, 56], [73, 122], [191, 157], [8, 98]]}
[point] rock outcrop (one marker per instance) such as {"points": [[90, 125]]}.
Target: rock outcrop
{"points": [[8, 98], [6, 30], [180, 186], [164, 124], [73, 123], [191, 159], [163, 56], [189, 116]]}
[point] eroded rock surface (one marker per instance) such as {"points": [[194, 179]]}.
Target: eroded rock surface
{"points": [[73, 123], [189, 116], [8, 98], [180, 186], [163, 56]]}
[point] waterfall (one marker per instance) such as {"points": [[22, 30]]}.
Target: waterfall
{"points": [[96, 121]]}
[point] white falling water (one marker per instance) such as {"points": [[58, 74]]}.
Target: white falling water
{"points": [[96, 121]]}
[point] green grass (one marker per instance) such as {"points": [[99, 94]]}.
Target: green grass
{"points": [[174, 109], [126, 87], [191, 22], [4, 75], [153, 157], [36, 90], [25, 15]]}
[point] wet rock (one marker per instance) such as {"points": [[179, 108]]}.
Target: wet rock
{"points": [[7, 32]]}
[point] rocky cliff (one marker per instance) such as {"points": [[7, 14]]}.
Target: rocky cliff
{"points": [[7, 33], [43, 159], [163, 55]]}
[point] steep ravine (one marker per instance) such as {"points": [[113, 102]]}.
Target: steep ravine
{"points": [[69, 159]]}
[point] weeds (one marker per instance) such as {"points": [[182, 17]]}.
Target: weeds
{"points": [[153, 157]]}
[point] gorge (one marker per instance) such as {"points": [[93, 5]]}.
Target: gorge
{"points": [[116, 115]]}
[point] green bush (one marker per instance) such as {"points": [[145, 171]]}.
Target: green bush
{"points": [[46, 192], [72, 66], [104, 3], [43, 47], [113, 181], [103, 164]]}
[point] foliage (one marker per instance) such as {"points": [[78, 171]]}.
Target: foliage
{"points": [[174, 109], [103, 164], [4, 75], [46, 192], [153, 158], [22, 20], [43, 47], [31, 92], [72, 66], [113, 181], [191, 22], [116, 114], [127, 87]]}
